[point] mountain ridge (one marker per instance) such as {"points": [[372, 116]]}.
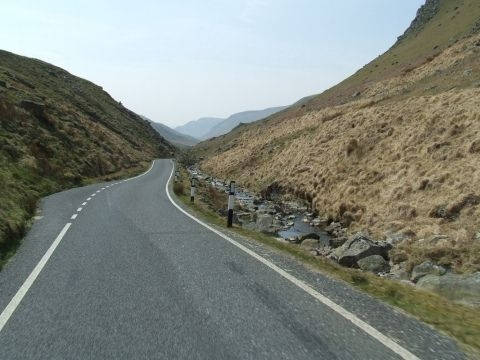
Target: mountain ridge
{"points": [[244, 117], [171, 135]]}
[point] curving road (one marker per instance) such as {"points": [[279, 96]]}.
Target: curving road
{"points": [[134, 277]]}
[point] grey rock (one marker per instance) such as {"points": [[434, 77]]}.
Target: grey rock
{"points": [[309, 236], [373, 263], [264, 222], [334, 226], [358, 247], [459, 288], [398, 272], [426, 268], [245, 217], [319, 222], [336, 242], [396, 238], [309, 244]]}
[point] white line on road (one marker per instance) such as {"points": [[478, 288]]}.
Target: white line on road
{"points": [[12, 305], [84, 203], [370, 330], [98, 191], [79, 209], [88, 199], [20, 294]]}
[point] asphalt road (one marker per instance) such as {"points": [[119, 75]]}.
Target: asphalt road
{"points": [[133, 277]]}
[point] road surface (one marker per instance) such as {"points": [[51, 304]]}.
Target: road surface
{"points": [[117, 271]]}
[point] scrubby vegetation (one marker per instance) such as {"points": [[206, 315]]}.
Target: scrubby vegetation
{"points": [[59, 131]]}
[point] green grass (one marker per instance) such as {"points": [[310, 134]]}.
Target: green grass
{"points": [[59, 131], [20, 191], [459, 321]]}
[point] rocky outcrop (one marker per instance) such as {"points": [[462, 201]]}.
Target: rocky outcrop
{"points": [[426, 13], [358, 247], [460, 288]]}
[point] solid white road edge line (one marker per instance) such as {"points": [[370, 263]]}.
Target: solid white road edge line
{"points": [[17, 298], [12, 305], [386, 341]]}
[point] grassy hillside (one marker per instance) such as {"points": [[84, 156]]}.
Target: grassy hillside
{"points": [[393, 149], [59, 131]]}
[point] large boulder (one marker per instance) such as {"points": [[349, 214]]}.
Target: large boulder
{"points": [[360, 246], [265, 224], [460, 288], [426, 268], [373, 263]]}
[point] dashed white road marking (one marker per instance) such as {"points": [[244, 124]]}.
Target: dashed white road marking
{"points": [[370, 330], [79, 209], [84, 203], [20, 294], [98, 191], [17, 298]]}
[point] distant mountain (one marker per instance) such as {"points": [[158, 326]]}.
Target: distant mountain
{"points": [[243, 117], [199, 128], [171, 135]]}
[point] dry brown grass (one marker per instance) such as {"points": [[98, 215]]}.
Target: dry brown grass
{"points": [[389, 161]]}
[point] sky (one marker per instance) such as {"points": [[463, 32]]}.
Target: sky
{"points": [[178, 60]]}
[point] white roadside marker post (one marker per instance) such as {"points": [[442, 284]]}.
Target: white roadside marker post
{"points": [[231, 198], [192, 190], [176, 176]]}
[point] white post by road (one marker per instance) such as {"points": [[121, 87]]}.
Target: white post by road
{"points": [[231, 198], [192, 190]]}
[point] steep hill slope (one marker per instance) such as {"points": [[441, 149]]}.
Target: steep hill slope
{"points": [[58, 131], [394, 149], [171, 135], [244, 117], [199, 128]]}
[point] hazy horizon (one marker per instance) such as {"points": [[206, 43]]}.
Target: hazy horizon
{"points": [[176, 62]]}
